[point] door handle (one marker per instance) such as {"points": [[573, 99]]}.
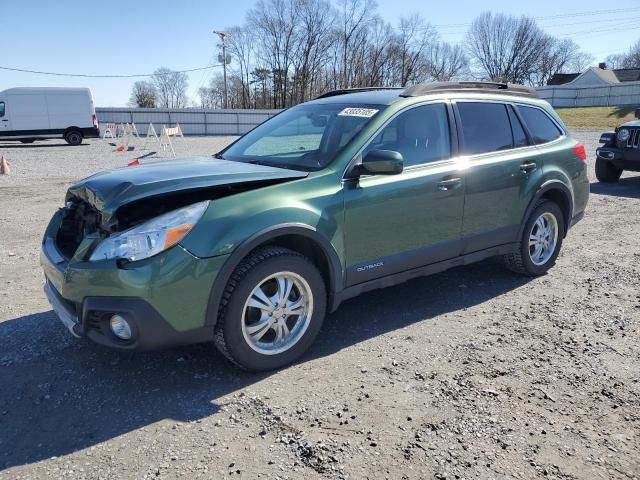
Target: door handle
{"points": [[5, 120], [449, 184], [528, 167]]}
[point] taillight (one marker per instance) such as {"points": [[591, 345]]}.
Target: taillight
{"points": [[95, 120], [580, 152]]}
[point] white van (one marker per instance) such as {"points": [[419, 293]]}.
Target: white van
{"points": [[29, 114]]}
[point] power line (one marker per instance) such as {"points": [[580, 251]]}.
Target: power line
{"points": [[85, 75], [552, 17]]}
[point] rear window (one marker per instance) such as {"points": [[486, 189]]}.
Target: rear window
{"points": [[541, 127], [485, 127]]}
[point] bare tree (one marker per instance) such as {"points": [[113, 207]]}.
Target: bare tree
{"points": [[632, 57], [275, 22], [614, 61], [506, 48], [171, 87], [557, 56], [580, 62], [413, 38], [355, 16], [447, 62], [261, 78], [241, 47], [379, 53], [143, 95], [314, 39]]}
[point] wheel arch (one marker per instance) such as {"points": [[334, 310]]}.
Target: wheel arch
{"points": [[72, 129], [557, 192], [298, 237]]}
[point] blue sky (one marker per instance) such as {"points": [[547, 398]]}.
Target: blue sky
{"points": [[127, 37]]}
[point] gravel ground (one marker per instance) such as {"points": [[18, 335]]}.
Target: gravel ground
{"points": [[472, 373]]}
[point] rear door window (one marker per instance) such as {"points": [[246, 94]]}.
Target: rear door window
{"points": [[485, 127], [541, 127]]}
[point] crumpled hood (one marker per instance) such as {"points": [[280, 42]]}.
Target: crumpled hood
{"points": [[107, 191]]}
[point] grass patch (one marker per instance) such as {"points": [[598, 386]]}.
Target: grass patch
{"points": [[600, 118]]}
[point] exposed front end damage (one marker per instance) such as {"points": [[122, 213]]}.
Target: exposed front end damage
{"points": [[82, 220], [162, 297]]}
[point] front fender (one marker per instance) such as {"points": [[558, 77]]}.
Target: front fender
{"points": [[230, 221]]}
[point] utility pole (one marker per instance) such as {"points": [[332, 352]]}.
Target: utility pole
{"points": [[223, 36]]}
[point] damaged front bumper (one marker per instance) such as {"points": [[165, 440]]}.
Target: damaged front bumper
{"points": [[164, 298]]}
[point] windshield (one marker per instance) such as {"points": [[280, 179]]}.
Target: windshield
{"points": [[307, 137]]}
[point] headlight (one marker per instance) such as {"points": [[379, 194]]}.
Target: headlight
{"points": [[623, 134], [151, 237]]}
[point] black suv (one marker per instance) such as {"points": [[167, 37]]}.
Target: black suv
{"points": [[620, 151]]}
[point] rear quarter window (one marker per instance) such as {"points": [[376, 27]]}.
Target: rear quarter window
{"points": [[485, 127], [1, 109], [541, 127]]}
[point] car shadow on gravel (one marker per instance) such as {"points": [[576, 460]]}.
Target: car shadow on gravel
{"points": [[628, 187], [59, 394], [39, 145]]}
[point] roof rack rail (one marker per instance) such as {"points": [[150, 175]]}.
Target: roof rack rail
{"points": [[344, 91], [441, 87]]}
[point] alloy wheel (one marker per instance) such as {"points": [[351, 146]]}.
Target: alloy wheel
{"points": [[543, 238], [277, 313]]}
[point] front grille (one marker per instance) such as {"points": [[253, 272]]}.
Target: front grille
{"points": [[634, 138]]}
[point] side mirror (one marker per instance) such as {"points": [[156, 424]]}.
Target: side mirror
{"points": [[383, 162], [637, 112]]}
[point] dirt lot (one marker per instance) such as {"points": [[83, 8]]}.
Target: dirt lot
{"points": [[473, 373]]}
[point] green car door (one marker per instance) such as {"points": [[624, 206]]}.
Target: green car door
{"points": [[500, 175], [397, 222]]}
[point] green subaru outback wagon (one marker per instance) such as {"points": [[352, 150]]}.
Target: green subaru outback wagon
{"points": [[353, 191]]}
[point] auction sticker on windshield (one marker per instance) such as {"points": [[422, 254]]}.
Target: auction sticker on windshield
{"points": [[358, 112]]}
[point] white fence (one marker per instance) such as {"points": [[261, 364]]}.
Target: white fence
{"points": [[627, 93], [193, 121]]}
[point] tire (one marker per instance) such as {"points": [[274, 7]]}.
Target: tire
{"points": [[606, 171], [525, 261], [28, 140], [73, 137], [238, 335]]}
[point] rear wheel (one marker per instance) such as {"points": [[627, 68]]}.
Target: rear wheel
{"points": [[606, 171], [541, 241], [272, 309], [73, 137]]}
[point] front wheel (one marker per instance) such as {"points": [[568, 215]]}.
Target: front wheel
{"points": [[541, 241], [73, 137], [272, 309], [606, 171]]}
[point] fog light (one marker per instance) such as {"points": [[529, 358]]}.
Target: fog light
{"points": [[120, 327]]}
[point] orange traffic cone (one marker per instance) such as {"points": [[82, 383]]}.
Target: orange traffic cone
{"points": [[4, 166], [133, 163]]}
